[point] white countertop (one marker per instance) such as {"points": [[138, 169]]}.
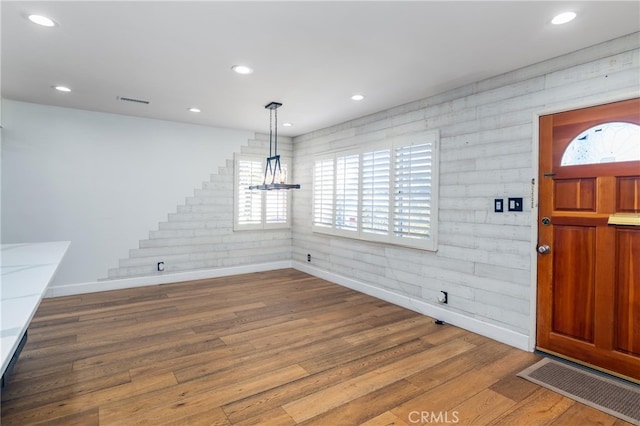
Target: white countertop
{"points": [[26, 270]]}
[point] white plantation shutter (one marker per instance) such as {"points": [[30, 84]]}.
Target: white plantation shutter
{"points": [[249, 203], [375, 191], [257, 209], [388, 194], [347, 186], [412, 191], [276, 206], [323, 194]]}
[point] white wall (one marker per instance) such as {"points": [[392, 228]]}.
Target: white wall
{"points": [[101, 181], [488, 145]]}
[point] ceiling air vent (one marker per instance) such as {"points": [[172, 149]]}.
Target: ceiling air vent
{"points": [[138, 101]]}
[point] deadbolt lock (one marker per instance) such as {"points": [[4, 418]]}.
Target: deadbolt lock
{"points": [[546, 221]]}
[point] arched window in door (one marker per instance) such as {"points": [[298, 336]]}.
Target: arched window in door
{"points": [[605, 143]]}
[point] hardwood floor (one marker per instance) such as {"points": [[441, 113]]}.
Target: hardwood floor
{"points": [[266, 348]]}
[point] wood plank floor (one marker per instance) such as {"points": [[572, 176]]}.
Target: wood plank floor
{"points": [[279, 348]]}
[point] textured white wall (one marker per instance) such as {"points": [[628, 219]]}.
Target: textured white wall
{"points": [[101, 181], [487, 131]]}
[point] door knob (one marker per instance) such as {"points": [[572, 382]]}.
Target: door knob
{"points": [[544, 249]]}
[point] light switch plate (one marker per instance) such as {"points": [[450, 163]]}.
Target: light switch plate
{"points": [[515, 204]]}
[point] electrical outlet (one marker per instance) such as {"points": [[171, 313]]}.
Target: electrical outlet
{"points": [[160, 266], [443, 298], [308, 258]]}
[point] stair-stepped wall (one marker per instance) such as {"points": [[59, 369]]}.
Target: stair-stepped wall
{"points": [[200, 235]]}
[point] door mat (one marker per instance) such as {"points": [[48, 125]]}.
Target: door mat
{"points": [[614, 397]]}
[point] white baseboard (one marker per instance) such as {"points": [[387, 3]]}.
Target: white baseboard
{"points": [[474, 325], [162, 278]]}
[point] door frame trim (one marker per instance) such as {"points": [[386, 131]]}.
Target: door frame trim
{"points": [[535, 165]]}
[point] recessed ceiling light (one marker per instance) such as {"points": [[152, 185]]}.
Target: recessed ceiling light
{"points": [[194, 109], [563, 18], [242, 69], [357, 97], [287, 124], [42, 20], [62, 88]]}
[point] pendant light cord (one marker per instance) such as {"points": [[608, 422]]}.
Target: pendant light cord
{"points": [[270, 132], [275, 151]]}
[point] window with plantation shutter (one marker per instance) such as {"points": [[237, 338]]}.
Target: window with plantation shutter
{"points": [[276, 206], [255, 209], [249, 203], [347, 184], [375, 191], [387, 194], [412, 191], [323, 179]]}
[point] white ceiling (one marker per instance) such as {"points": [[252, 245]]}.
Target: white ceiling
{"points": [[310, 56]]}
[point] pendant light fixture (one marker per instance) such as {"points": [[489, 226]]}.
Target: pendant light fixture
{"points": [[274, 176]]}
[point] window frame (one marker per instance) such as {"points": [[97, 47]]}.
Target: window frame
{"points": [[429, 243], [263, 224]]}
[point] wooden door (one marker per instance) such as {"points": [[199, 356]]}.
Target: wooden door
{"points": [[589, 270]]}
